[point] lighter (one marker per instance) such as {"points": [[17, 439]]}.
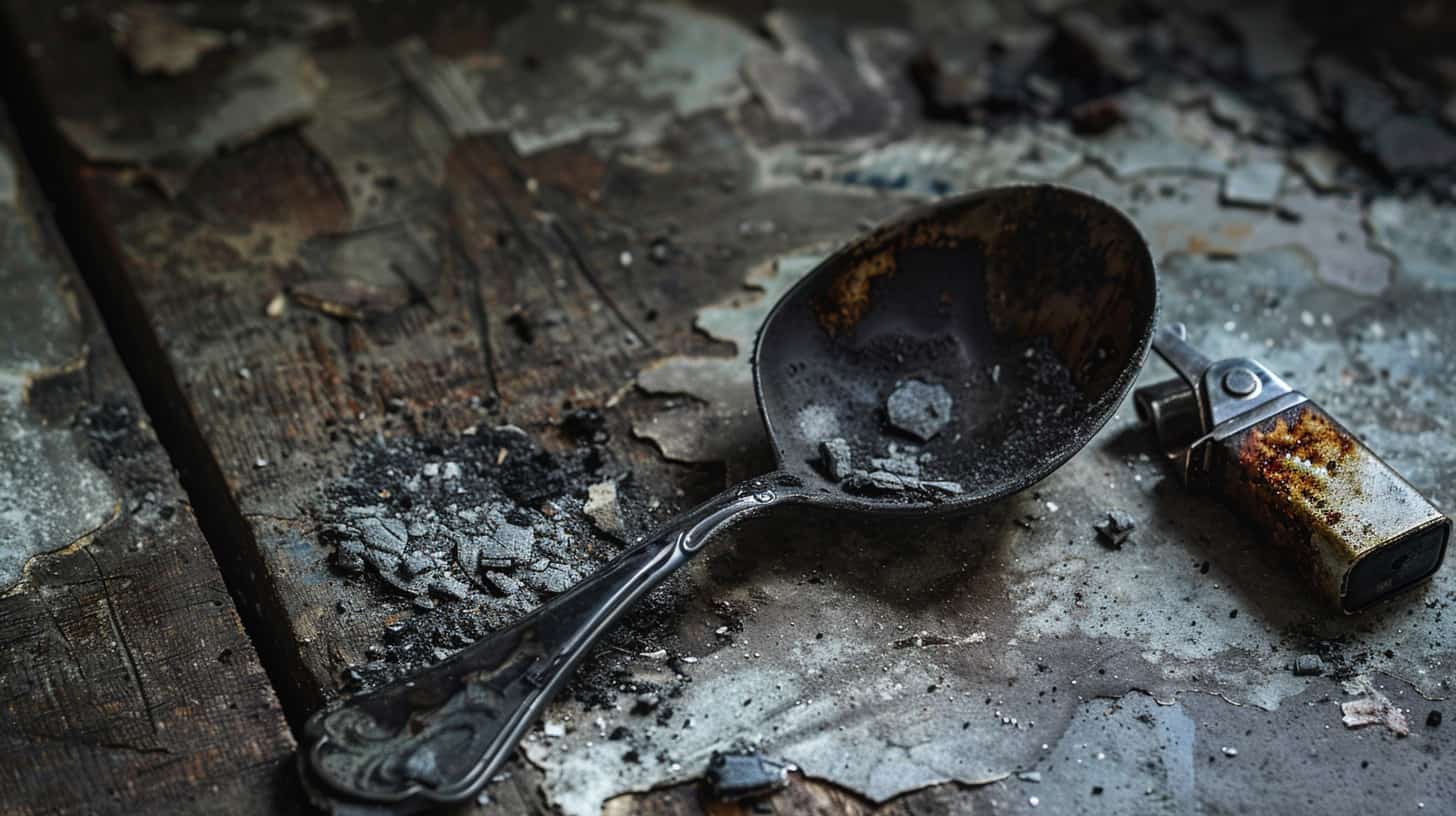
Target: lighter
{"points": [[1356, 527]]}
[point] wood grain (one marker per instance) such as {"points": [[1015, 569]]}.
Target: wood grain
{"points": [[127, 684], [509, 299]]}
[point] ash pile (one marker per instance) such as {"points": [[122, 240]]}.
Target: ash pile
{"points": [[474, 532]]}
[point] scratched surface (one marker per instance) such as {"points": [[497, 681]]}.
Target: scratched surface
{"points": [[421, 223], [126, 681]]}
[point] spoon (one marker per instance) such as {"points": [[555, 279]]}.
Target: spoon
{"points": [[948, 359]]}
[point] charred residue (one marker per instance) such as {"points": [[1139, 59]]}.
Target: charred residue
{"points": [[469, 533], [1298, 458]]}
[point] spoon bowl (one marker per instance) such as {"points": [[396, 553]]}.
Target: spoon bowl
{"points": [[1032, 306]]}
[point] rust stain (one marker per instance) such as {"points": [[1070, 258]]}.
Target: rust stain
{"points": [[1308, 471], [1045, 268], [1280, 453], [847, 299]]}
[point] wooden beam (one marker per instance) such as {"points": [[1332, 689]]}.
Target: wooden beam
{"points": [[127, 683]]}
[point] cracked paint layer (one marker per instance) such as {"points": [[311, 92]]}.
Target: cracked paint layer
{"points": [[50, 493], [631, 69], [724, 383], [1032, 620], [157, 42], [273, 88]]}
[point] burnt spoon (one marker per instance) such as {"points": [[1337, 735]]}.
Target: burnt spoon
{"points": [[958, 354]]}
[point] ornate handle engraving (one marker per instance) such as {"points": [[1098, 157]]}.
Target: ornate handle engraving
{"points": [[439, 735]]}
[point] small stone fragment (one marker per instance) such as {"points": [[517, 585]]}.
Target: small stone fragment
{"points": [[740, 774], [953, 488], [1115, 529], [446, 587], [878, 481], [553, 730], [1320, 165], [837, 458], [502, 583], [414, 564], [511, 544], [646, 702], [467, 553], [919, 408], [603, 508], [553, 580], [1309, 665], [897, 463], [1255, 184], [1230, 752], [349, 556], [1029, 776], [389, 535]]}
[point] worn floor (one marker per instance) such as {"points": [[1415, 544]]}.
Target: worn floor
{"points": [[354, 243]]}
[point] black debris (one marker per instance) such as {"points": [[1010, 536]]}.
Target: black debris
{"points": [[1309, 665], [1115, 529], [585, 426], [837, 458], [739, 774], [647, 702]]}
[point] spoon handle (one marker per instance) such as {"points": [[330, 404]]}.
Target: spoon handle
{"points": [[438, 735]]}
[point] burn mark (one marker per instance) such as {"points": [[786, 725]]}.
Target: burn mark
{"points": [[847, 298], [1066, 270], [1289, 457]]}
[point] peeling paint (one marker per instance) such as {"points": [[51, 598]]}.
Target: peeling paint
{"points": [[155, 41], [629, 71], [932, 164], [1157, 137], [273, 88], [1182, 215], [1418, 234], [724, 383], [50, 493]]}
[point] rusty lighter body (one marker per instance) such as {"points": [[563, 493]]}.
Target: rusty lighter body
{"points": [[1355, 526]]}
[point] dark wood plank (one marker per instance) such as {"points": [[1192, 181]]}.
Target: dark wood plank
{"points": [[497, 290], [127, 683], [474, 238]]}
